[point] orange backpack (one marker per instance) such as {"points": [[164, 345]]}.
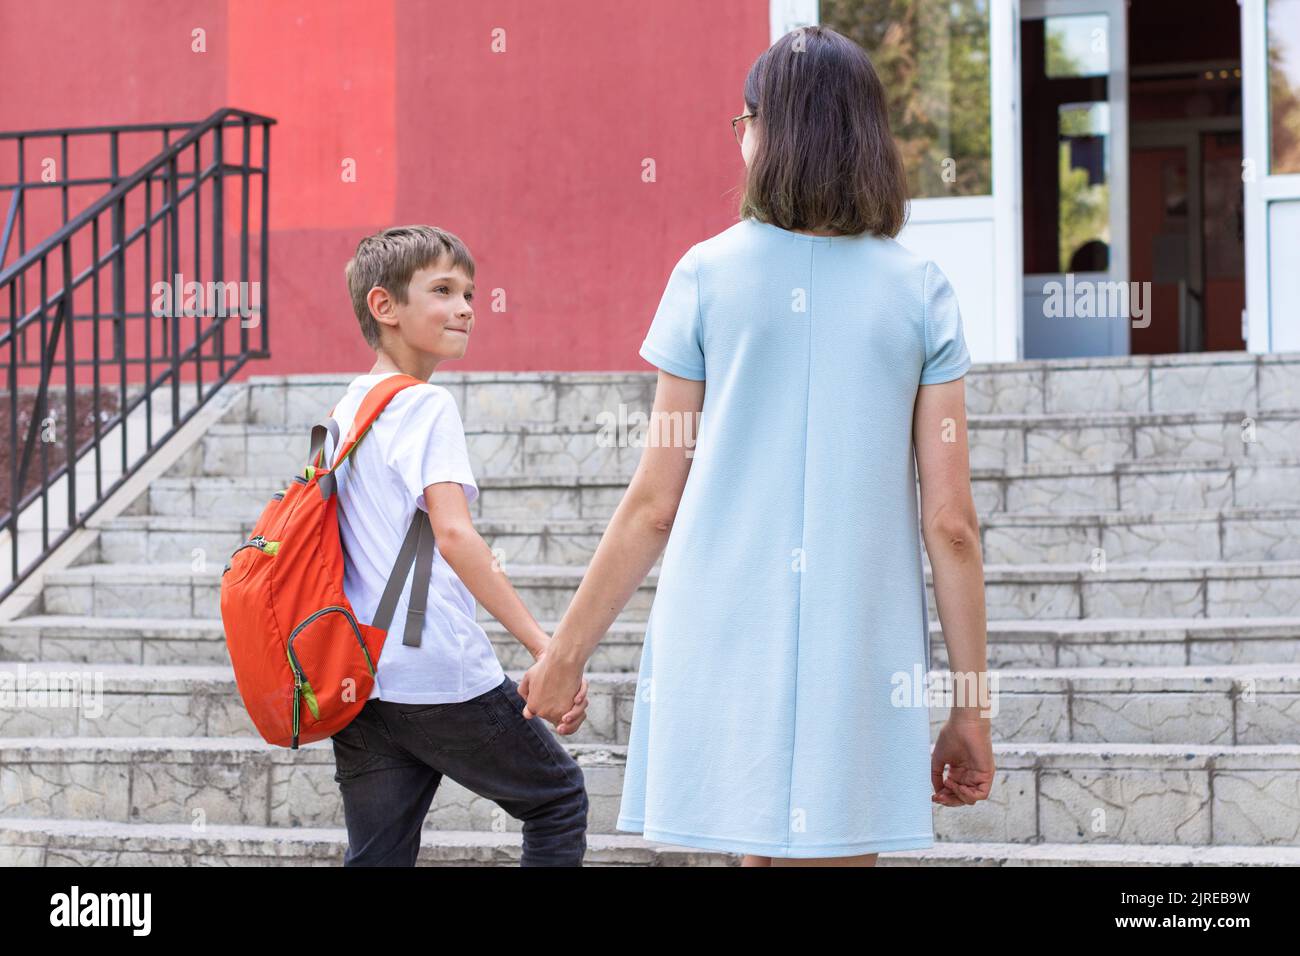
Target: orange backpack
{"points": [[291, 633]]}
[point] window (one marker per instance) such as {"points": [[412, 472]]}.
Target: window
{"points": [[933, 58], [1076, 46], [1082, 187], [1065, 143], [1284, 85]]}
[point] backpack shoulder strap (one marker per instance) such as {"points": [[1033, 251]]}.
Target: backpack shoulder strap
{"points": [[376, 400], [316, 454], [417, 550], [418, 546]]}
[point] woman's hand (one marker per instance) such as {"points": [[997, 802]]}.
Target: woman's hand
{"points": [[548, 691], [965, 746]]}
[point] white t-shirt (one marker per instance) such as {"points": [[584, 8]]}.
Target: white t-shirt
{"points": [[417, 440]]}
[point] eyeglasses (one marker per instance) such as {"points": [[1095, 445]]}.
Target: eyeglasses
{"points": [[740, 133]]}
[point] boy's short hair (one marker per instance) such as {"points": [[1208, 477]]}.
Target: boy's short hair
{"points": [[388, 259]]}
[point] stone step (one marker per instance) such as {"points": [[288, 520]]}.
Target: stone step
{"points": [[1234, 534], [1150, 484], [1012, 591], [232, 780], [170, 539], [1024, 644], [149, 641], [1189, 795], [41, 842], [270, 450], [598, 449], [1161, 383], [192, 590], [1131, 486], [1227, 534], [1236, 704], [37, 842], [1096, 642], [481, 397]]}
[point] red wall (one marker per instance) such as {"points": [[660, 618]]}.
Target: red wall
{"points": [[532, 156]]}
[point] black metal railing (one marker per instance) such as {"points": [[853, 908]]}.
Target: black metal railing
{"points": [[112, 324]]}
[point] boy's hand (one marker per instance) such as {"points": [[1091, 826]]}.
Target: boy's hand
{"points": [[574, 718], [540, 649]]}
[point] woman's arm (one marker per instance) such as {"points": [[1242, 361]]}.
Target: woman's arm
{"points": [[634, 540], [952, 540], [950, 527]]}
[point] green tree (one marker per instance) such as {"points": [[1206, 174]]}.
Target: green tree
{"points": [[1284, 111], [933, 58]]}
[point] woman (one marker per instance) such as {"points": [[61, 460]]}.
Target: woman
{"points": [[777, 714]]}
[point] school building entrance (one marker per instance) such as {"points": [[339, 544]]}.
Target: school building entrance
{"points": [[1097, 177]]}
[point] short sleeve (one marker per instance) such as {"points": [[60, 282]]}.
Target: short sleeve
{"points": [[675, 342], [429, 445], [946, 355]]}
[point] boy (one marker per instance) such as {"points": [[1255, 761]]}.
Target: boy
{"points": [[444, 706]]}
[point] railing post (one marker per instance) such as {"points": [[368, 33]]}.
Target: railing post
{"points": [[70, 376], [22, 237], [198, 271], [15, 489], [218, 204], [94, 338], [243, 229], [64, 175], [118, 227], [147, 311], [178, 295], [264, 287], [42, 403]]}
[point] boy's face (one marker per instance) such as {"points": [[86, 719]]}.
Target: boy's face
{"points": [[438, 314]]}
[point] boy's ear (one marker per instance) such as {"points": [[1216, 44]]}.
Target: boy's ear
{"points": [[380, 304]]}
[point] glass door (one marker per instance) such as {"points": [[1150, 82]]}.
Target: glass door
{"points": [[1074, 156]]}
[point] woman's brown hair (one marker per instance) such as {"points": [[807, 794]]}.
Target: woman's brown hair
{"points": [[825, 158]]}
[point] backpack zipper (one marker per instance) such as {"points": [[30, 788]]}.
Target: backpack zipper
{"points": [[256, 541], [300, 679]]}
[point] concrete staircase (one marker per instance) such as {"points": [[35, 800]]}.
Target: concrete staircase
{"points": [[1141, 535]]}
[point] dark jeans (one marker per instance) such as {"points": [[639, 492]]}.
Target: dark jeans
{"points": [[392, 757]]}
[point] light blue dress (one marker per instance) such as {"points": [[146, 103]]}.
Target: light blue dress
{"points": [[777, 708]]}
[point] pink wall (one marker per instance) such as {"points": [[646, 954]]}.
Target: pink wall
{"points": [[532, 156]]}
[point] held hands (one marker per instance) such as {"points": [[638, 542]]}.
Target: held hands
{"points": [[965, 746], [556, 692], [543, 689]]}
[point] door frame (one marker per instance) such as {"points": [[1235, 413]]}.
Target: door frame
{"points": [[1261, 188]]}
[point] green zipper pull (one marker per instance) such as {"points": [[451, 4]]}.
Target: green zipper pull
{"points": [[297, 693]]}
